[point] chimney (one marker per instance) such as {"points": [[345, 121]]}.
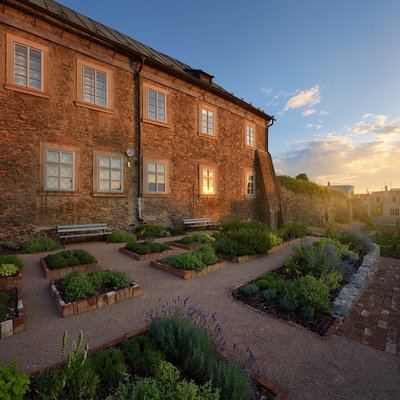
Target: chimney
{"points": [[386, 188]]}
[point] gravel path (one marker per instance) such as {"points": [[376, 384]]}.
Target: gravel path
{"points": [[307, 366]]}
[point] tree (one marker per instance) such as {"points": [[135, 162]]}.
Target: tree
{"points": [[303, 176]]}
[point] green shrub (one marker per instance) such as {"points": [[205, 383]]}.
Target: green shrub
{"points": [[300, 185], [270, 294], [250, 289], [271, 279], [147, 247], [149, 231], [109, 365], [39, 245], [197, 238], [13, 384], [188, 345], [262, 284], [207, 255], [121, 237], [77, 286], [170, 260], [350, 256], [142, 354], [165, 385], [291, 231], [11, 260], [69, 258], [189, 261], [332, 279], [288, 297], [8, 270], [116, 279]]}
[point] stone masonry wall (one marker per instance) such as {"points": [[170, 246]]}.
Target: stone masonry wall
{"points": [[28, 120], [318, 209]]}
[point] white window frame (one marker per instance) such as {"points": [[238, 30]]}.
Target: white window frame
{"points": [[95, 88], [206, 116], [206, 179], [59, 164], [157, 174], [110, 168], [28, 66], [250, 135], [158, 116]]}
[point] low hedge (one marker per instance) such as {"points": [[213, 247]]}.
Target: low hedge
{"points": [[193, 260], [11, 260], [69, 258]]}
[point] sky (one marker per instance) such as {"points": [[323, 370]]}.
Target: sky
{"points": [[329, 71]]}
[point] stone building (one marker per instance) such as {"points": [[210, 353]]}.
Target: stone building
{"points": [[385, 206], [97, 127]]}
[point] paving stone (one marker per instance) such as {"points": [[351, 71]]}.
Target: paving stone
{"points": [[385, 312], [365, 313], [382, 324], [368, 332], [390, 348]]}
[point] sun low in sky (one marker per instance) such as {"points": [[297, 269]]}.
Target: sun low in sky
{"points": [[328, 71]]}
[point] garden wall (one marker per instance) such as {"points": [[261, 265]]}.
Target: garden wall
{"points": [[319, 208]]}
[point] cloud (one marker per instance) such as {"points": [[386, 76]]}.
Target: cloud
{"points": [[314, 126], [323, 113], [308, 112], [304, 98], [267, 91], [341, 160], [381, 125], [275, 96]]}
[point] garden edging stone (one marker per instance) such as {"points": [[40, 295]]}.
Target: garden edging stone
{"points": [[57, 273], [351, 292], [141, 257]]}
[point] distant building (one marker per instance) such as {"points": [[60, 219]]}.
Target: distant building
{"points": [[385, 205], [348, 189]]}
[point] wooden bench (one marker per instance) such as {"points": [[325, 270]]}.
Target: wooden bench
{"points": [[197, 222], [71, 231]]}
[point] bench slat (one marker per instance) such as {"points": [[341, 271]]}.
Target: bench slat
{"points": [[82, 226], [80, 230], [86, 234]]}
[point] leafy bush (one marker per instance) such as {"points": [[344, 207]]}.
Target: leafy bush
{"points": [[304, 294], [121, 237], [142, 354], [187, 344], [238, 238], [69, 258], [11, 260], [149, 231], [8, 270], [197, 238], [13, 384], [207, 255], [300, 185], [115, 279], [250, 289], [109, 365], [271, 279], [188, 261], [5, 304], [147, 247], [39, 245], [332, 279], [291, 231], [165, 385], [270, 294], [77, 286]]}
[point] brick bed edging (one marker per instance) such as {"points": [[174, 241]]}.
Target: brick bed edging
{"points": [[184, 246], [141, 257], [8, 283], [351, 292], [188, 274], [94, 302], [57, 273], [15, 325]]}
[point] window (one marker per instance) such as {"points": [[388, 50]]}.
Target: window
{"points": [[250, 183], [26, 66], [156, 177], [250, 141], [207, 180], [395, 211], [59, 170], [110, 174], [207, 121], [94, 86], [156, 105]]}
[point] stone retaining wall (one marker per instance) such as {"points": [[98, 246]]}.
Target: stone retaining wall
{"points": [[351, 292]]}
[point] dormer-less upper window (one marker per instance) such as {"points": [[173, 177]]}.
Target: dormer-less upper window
{"points": [[27, 66], [94, 89]]}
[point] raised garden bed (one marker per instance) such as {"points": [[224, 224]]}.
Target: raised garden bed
{"points": [[14, 321], [10, 272], [146, 250], [70, 300], [56, 266], [192, 242], [188, 274], [144, 353], [9, 282], [305, 290]]}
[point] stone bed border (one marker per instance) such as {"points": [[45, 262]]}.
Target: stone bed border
{"points": [[141, 257], [10, 282], [94, 302], [277, 391], [15, 325], [57, 273], [351, 292], [188, 274]]}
